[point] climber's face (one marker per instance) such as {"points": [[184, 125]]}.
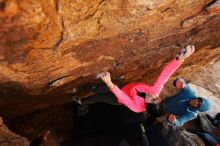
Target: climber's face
{"points": [[149, 98]]}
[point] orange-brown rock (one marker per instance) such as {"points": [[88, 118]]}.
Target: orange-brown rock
{"points": [[49, 47], [8, 138]]}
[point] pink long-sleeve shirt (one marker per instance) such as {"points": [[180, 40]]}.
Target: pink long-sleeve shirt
{"points": [[128, 94]]}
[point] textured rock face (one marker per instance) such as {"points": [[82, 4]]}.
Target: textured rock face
{"points": [[8, 138], [49, 47], [178, 137]]}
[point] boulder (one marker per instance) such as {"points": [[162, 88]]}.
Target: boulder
{"points": [[8, 138]]}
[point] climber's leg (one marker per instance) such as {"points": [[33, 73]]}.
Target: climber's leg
{"points": [[108, 98]]}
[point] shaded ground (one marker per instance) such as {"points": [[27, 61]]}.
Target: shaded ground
{"points": [[104, 124]]}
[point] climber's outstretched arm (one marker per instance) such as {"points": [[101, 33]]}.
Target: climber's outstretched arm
{"points": [[170, 68]]}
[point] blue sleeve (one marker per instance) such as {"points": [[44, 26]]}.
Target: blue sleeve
{"points": [[187, 92], [188, 89], [183, 119]]}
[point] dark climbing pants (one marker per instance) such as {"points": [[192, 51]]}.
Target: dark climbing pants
{"points": [[215, 121], [103, 94], [208, 138]]}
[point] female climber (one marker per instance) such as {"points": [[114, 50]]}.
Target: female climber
{"points": [[136, 95]]}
